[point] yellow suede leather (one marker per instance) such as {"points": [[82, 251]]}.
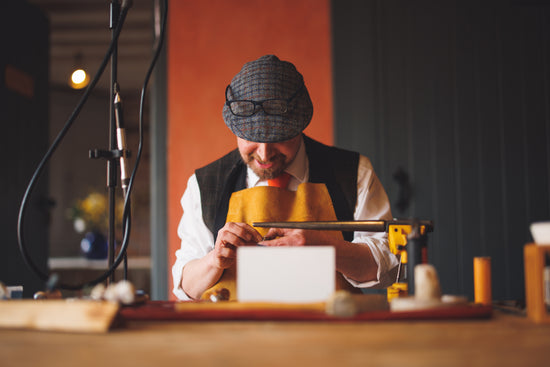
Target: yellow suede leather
{"points": [[311, 202]]}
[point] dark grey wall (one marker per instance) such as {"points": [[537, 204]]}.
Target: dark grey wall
{"points": [[457, 95], [24, 139]]}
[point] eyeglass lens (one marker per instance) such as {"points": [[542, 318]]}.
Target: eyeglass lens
{"points": [[248, 108]]}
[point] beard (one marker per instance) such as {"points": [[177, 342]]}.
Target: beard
{"points": [[278, 164]]}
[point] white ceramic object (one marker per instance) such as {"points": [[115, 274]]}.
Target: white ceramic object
{"points": [[541, 232], [426, 282]]}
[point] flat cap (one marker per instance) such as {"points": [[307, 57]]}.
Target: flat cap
{"points": [[269, 78]]}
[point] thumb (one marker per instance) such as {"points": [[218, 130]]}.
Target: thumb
{"points": [[273, 233]]}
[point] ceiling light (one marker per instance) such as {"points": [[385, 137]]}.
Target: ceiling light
{"points": [[79, 77]]}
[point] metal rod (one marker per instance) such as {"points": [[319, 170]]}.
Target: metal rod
{"points": [[370, 226], [346, 226]]}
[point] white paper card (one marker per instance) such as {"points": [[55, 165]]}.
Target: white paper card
{"points": [[285, 274]]}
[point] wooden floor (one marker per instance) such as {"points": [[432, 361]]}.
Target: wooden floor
{"points": [[503, 340]]}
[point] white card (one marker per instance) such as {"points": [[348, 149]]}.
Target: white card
{"points": [[285, 274]]}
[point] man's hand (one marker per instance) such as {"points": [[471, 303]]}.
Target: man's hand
{"points": [[354, 260], [231, 236], [296, 237]]}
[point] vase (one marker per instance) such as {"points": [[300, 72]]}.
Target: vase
{"points": [[94, 245]]}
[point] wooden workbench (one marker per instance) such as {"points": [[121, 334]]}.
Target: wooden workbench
{"points": [[502, 340]]}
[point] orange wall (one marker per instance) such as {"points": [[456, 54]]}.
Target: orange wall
{"points": [[208, 42]]}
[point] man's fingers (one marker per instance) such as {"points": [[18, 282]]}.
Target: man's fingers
{"points": [[239, 234], [248, 233]]}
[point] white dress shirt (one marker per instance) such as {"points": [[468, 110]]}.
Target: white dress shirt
{"points": [[372, 204]]}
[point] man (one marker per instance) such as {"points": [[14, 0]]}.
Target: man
{"points": [[267, 108]]}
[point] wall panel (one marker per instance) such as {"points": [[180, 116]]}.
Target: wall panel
{"points": [[23, 142], [208, 42], [460, 102]]}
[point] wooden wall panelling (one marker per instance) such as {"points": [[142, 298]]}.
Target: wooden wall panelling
{"points": [[461, 102]]}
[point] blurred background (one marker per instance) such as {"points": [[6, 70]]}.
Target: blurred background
{"points": [[450, 100], [51, 39]]}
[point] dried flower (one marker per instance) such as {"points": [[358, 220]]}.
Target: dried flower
{"points": [[92, 213]]}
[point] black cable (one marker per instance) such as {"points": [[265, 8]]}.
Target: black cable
{"points": [[126, 217]]}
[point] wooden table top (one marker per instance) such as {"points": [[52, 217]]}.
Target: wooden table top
{"points": [[502, 340]]}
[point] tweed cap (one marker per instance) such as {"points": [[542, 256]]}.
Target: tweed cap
{"points": [[268, 78]]}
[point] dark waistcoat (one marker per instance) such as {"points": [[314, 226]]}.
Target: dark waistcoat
{"points": [[335, 167]]}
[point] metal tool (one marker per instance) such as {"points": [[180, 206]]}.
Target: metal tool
{"points": [[402, 234], [348, 226]]}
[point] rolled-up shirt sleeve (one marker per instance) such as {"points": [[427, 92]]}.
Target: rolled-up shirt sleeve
{"points": [[196, 238], [373, 204]]}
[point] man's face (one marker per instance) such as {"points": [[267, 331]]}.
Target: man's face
{"points": [[268, 160]]}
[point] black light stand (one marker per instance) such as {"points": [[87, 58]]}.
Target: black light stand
{"points": [[113, 164], [114, 154]]}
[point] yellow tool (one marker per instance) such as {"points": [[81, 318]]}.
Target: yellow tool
{"points": [[398, 236]]}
